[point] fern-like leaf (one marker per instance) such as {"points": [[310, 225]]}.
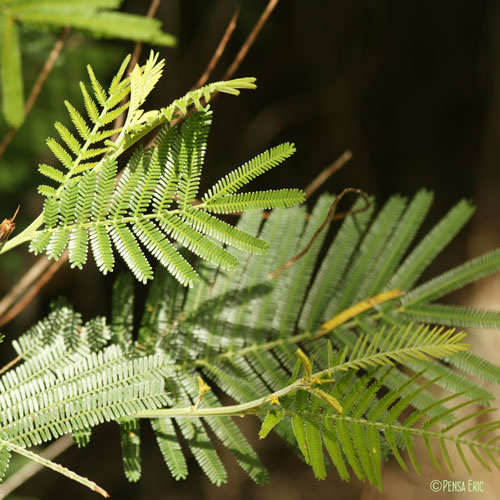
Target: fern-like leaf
{"points": [[354, 438], [139, 210]]}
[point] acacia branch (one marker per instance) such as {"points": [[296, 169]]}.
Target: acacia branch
{"points": [[432, 346], [42, 271]]}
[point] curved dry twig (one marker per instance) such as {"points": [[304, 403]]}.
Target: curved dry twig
{"points": [[329, 218]]}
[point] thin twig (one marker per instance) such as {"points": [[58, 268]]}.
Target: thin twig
{"points": [[37, 87], [36, 270], [31, 468], [329, 217], [120, 119], [14, 447], [327, 173], [250, 40], [153, 7], [10, 364], [34, 290], [219, 50]]}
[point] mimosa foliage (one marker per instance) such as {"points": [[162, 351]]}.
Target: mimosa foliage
{"points": [[155, 195], [333, 352], [349, 397]]}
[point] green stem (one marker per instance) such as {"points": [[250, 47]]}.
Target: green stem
{"points": [[451, 346], [54, 466], [240, 410]]}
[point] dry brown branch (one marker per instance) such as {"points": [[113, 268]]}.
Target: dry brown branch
{"points": [[219, 50], [10, 364], [250, 40], [329, 217], [36, 270], [37, 87], [327, 173], [34, 290]]}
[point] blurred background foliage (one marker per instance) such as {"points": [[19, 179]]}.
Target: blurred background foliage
{"points": [[412, 88]]}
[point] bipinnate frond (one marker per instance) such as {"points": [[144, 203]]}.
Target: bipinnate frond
{"points": [[96, 139], [95, 18], [355, 439], [345, 414], [246, 308], [154, 200], [64, 386], [96, 387], [240, 329], [96, 145], [72, 379]]}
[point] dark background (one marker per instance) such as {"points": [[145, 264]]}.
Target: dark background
{"points": [[412, 88]]}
